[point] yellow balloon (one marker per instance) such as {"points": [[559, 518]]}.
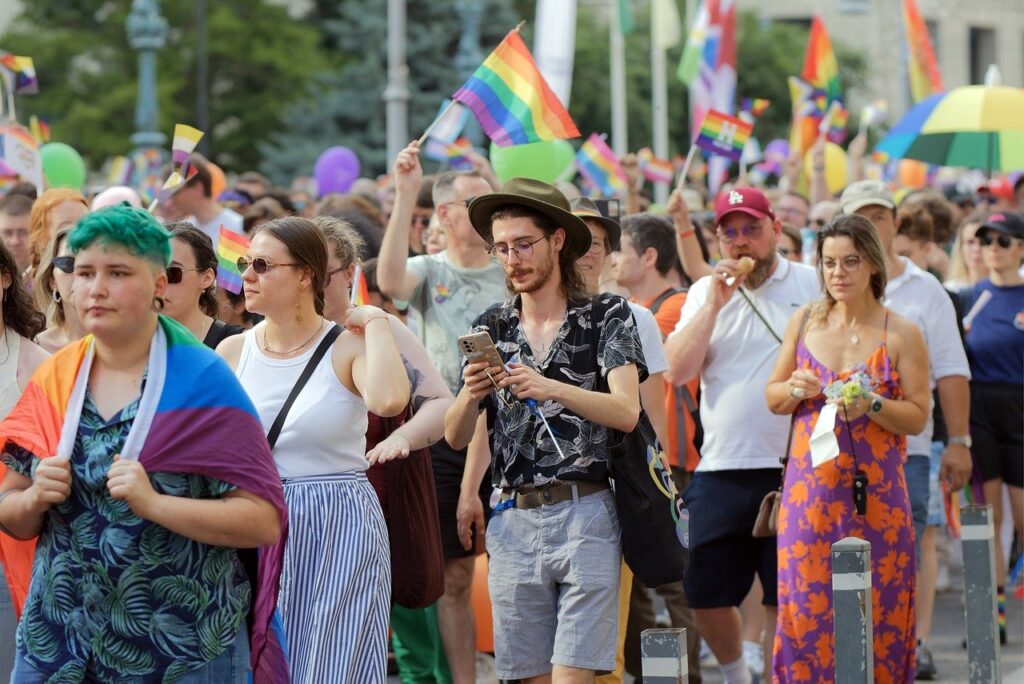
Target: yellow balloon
{"points": [[835, 167]]}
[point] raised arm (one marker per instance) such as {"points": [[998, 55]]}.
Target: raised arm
{"points": [[686, 238], [378, 373], [687, 346], [393, 278]]}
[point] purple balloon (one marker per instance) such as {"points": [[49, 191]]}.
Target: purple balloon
{"points": [[336, 170], [775, 154]]}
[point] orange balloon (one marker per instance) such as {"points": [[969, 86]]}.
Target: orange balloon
{"points": [[482, 607], [218, 181], [912, 173]]}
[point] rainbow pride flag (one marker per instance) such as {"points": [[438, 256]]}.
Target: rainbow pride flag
{"points": [[198, 420], [820, 66], [230, 246], [24, 69], [755, 106], [512, 101], [40, 129], [454, 154], [923, 68], [360, 293], [598, 164], [654, 168], [723, 135]]}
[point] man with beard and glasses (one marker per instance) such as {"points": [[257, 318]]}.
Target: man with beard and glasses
{"points": [[729, 334], [572, 365]]}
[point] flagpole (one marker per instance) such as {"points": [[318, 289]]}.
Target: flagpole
{"points": [[659, 107], [681, 183], [617, 54], [354, 287]]}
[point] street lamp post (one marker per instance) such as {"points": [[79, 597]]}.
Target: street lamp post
{"points": [[147, 33], [396, 94]]}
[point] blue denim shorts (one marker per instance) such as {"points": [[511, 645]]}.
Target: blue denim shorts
{"points": [[554, 585], [230, 667], [936, 507]]}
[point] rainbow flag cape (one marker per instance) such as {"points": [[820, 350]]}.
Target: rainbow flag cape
{"points": [[723, 135], [360, 293], [512, 101], [230, 246], [820, 67], [598, 164], [923, 68], [655, 169], [194, 417]]}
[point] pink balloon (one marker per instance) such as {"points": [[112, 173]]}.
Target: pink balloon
{"points": [[115, 195], [336, 170]]}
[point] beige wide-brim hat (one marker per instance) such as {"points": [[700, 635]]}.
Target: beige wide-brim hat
{"points": [[540, 196]]}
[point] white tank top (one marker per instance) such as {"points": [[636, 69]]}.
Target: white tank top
{"points": [[10, 352], [325, 432]]}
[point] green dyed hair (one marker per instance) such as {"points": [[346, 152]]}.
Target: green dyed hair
{"points": [[123, 226]]}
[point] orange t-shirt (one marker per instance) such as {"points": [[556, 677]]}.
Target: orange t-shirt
{"points": [[667, 317]]}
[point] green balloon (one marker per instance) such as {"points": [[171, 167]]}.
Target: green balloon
{"points": [[63, 167], [548, 161]]}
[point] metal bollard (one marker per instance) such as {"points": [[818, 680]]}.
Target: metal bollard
{"points": [[663, 656], [851, 599], [977, 535]]}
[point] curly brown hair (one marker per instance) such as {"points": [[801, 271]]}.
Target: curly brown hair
{"points": [[18, 312]]}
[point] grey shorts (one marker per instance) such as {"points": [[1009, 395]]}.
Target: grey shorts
{"points": [[554, 585]]}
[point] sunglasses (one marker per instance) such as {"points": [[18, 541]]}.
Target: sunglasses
{"points": [[259, 265], [1003, 241], [176, 273], [751, 232], [64, 263]]}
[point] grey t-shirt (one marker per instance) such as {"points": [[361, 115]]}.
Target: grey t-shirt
{"points": [[450, 298]]}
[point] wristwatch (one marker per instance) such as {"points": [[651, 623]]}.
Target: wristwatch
{"points": [[964, 440], [876, 404]]}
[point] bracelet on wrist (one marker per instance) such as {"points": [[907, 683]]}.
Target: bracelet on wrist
{"points": [[687, 233]]}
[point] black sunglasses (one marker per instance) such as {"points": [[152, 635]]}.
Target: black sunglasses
{"points": [[1003, 241], [259, 265], [64, 263], [176, 273]]}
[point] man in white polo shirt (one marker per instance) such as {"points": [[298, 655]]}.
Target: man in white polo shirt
{"points": [[731, 339], [918, 295]]}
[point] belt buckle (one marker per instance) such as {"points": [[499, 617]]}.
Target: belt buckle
{"points": [[547, 496], [530, 499]]}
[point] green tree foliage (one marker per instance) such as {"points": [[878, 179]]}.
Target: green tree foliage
{"points": [[260, 60], [346, 106]]}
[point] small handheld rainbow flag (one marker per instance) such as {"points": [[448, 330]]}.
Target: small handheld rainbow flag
{"points": [[40, 129], [723, 135], [360, 294], [600, 166], [230, 246], [655, 169], [24, 70], [755, 106], [512, 101]]}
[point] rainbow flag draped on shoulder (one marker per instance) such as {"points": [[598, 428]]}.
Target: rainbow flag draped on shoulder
{"points": [[193, 417], [512, 101]]}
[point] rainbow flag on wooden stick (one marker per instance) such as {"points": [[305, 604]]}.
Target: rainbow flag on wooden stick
{"points": [[723, 135], [230, 246], [654, 168], [512, 101]]}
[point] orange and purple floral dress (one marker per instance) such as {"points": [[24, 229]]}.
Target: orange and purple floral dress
{"points": [[818, 509]]}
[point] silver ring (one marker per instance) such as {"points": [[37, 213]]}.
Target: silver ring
{"points": [[797, 393]]}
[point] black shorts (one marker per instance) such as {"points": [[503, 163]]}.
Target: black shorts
{"points": [[448, 465], [997, 414], [724, 556]]}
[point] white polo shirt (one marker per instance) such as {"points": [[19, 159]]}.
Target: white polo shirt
{"points": [[740, 433], [917, 295], [650, 339]]}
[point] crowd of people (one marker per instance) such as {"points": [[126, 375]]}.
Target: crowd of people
{"points": [[188, 492]]}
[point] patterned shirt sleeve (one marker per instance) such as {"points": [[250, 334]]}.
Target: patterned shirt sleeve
{"points": [[619, 344], [18, 459]]}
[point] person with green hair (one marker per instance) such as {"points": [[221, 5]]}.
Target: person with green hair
{"points": [[140, 507]]}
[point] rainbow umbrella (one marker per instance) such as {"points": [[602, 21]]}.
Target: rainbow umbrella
{"points": [[980, 127]]}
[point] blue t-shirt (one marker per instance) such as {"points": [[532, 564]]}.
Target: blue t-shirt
{"points": [[995, 342]]}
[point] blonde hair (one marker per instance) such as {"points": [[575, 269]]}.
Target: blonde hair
{"points": [[39, 230], [342, 238], [41, 290]]}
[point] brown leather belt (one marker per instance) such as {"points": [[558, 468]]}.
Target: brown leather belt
{"points": [[553, 493]]}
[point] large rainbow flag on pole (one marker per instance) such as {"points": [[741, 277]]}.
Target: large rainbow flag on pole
{"points": [[194, 417], [925, 78], [512, 101], [820, 67]]}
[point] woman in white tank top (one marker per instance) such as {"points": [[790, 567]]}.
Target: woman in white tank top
{"points": [[335, 582]]}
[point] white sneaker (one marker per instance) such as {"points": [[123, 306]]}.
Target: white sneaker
{"points": [[753, 653]]}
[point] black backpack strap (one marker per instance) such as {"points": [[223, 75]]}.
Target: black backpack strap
{"points": [[307, 372], [660, 299]]}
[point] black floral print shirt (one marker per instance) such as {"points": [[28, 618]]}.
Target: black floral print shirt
{"points": [[597, 335]]}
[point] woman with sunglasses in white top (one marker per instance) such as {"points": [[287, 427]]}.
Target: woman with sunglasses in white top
{"points": [[191, 283], [335, 583], [52, 289]]}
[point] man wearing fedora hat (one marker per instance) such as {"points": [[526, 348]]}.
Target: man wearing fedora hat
{"points": [[573, 365]]}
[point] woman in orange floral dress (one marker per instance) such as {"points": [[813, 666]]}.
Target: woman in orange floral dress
{"points": [[880, 395]]}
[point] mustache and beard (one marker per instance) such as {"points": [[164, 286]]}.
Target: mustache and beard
{"points": [[762, 267], [541, 274]]}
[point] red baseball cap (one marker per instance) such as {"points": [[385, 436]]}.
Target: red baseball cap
{"points": [[750, 201]]}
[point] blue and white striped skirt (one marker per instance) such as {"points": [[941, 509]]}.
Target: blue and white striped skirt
{"points": [[336, 580]]}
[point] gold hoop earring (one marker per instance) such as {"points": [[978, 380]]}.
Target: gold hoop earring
{"points": [[298, 311]]}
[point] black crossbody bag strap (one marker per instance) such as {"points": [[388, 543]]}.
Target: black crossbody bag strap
{"points": [[307, 372]]}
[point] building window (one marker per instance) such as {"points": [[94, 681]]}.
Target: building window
{"points": [[982, 49]]}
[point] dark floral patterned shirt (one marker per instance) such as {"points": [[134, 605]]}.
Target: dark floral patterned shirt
{"points": [[117, 596], [596, 336]]}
